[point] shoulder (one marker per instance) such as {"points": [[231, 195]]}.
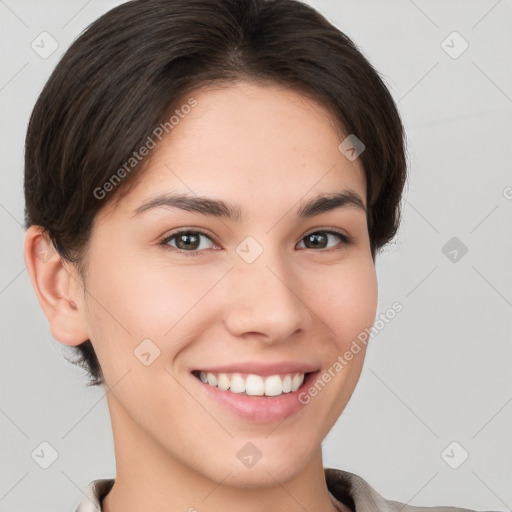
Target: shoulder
{"points": [[95, 492], [357, 493]]}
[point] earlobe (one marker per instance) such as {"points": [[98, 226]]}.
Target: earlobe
{"points": [[58, 289]]}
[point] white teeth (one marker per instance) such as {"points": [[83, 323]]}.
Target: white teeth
{"points": [[223, 382], [287, 384], [254, 385], [237, 384], [273, 386], [297, 381], [212, 380]]}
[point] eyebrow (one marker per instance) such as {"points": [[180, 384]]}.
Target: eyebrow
{"points": [[218, 208]]}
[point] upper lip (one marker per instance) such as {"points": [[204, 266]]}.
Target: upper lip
{"points": [[261, 368]]}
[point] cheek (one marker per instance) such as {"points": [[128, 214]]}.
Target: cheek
{"points": [[345, 299], [131, 300]]}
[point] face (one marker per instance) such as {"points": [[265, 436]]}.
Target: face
{"points": [[256, 299]]}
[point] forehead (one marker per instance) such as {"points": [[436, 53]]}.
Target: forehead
{"points": [[250, 144]]}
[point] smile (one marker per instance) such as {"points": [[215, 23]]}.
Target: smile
{"points": [[257, 392], [252, 384]]}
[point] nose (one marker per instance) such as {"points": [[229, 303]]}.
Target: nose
{"points": [[263, 300]]}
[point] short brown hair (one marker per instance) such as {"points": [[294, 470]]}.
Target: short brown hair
{"points": [[131, 68]]}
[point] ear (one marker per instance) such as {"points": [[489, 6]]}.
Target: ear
{"points": [[58, 287]]}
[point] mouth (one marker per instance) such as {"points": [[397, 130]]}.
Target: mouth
{"points": [[256, 391], [254, 385]]}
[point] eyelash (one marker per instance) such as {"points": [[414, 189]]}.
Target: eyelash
{"points": [[345, 240]]}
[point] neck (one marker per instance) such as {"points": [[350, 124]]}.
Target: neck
{"points": [[149, 478]]}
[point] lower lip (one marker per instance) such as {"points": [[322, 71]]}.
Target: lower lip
{"points": [[259, 409]]}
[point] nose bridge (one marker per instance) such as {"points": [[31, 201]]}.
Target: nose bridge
{"points": [[264, 297]]}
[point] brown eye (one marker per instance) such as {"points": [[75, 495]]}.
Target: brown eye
{"points": [[187, 241], [320, 239]]}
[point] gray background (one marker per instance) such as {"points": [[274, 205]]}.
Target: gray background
{"points": [[439, 372]]}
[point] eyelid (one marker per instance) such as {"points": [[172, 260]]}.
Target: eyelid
{"points": [[334, 231]]}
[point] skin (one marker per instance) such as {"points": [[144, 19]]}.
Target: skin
{"points": [[267, 150]]}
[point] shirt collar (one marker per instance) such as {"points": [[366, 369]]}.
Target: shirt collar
{"points": [[344, 487]]}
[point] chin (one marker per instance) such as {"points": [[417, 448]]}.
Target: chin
{"points": [[263, 473], [254, 478]]}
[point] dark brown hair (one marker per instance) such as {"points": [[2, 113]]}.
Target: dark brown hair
{"points": [[129, 71]]}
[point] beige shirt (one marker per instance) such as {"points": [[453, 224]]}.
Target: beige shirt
{"points": [[344, 487]]}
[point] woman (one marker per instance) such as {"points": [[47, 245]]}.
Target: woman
{"points": [[210, 183]]}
